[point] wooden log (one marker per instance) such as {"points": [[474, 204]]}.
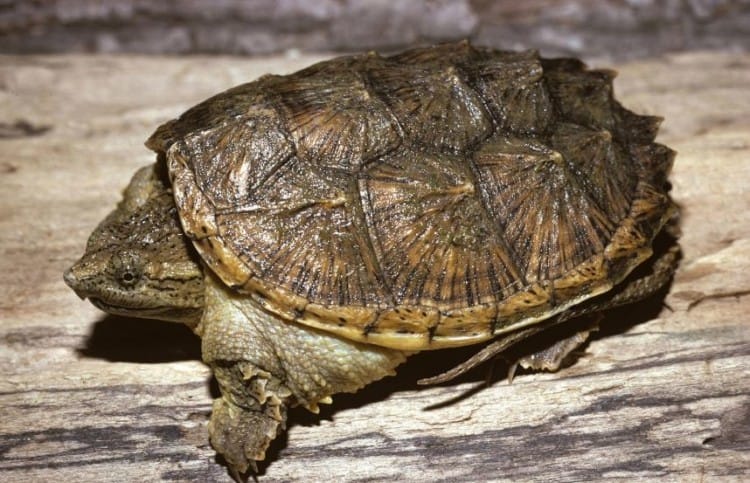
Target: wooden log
{"points": [[616, 28], [660, 393]]}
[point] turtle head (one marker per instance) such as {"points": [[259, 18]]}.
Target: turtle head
{"points": [[138, 261]]}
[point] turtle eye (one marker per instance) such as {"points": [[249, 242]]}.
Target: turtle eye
{"points": [[129, 278], [126, 269]]}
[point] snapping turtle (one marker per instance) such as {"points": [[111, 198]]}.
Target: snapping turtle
{"points": [[317, 228]]}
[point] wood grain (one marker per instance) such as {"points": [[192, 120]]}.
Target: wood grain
{"points": [[622, 29], [660, 393]]}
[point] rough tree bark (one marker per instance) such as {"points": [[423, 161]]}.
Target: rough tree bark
{"points": [[661, 392]]}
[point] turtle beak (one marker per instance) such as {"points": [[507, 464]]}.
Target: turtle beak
{"points": [[75, 279], [71, 281]]}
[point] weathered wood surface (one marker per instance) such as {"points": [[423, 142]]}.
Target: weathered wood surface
{"points": [[660, 393], [613, 28]]}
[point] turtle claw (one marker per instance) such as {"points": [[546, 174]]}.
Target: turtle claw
{"points": [[552, 357], [242, 435]]}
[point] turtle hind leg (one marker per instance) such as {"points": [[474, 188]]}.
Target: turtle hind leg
{"points": [[553, 356], [549, 358], [637, 287], [656, 275]]}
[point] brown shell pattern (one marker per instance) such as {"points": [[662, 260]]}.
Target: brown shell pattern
{"points": [[430, 199]]}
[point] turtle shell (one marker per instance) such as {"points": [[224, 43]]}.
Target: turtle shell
{"points": [[434, 198]]}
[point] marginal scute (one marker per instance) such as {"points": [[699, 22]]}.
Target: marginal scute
{"points": [[655, 161], [404, 321], [222, 260], [275, 300], [581, 279], [351, 318], [468, 322], [188, 195], [636, 128], [430, 199], [533, 300], [582, 96], [652, 209]]}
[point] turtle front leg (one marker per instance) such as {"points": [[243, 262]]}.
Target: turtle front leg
{"points": [[265, 364], [249, 415]]}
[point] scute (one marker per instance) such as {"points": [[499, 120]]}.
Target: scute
{"points": [[436, 244], [433, 105], [435, 198], [304, 234], [551, 223], [332, 118]]}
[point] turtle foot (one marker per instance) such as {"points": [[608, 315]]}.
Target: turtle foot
{"points": [[242, 435]]}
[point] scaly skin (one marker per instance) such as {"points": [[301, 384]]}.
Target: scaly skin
{"points": [[265, 365], [138, 263]]}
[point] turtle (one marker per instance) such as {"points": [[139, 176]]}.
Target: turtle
{"points": [[315, 229]]}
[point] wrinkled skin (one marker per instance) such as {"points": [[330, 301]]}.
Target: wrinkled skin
{"points": [[139, 263]]}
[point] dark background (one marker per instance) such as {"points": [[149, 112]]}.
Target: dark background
{"points": [[616, 29]]}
